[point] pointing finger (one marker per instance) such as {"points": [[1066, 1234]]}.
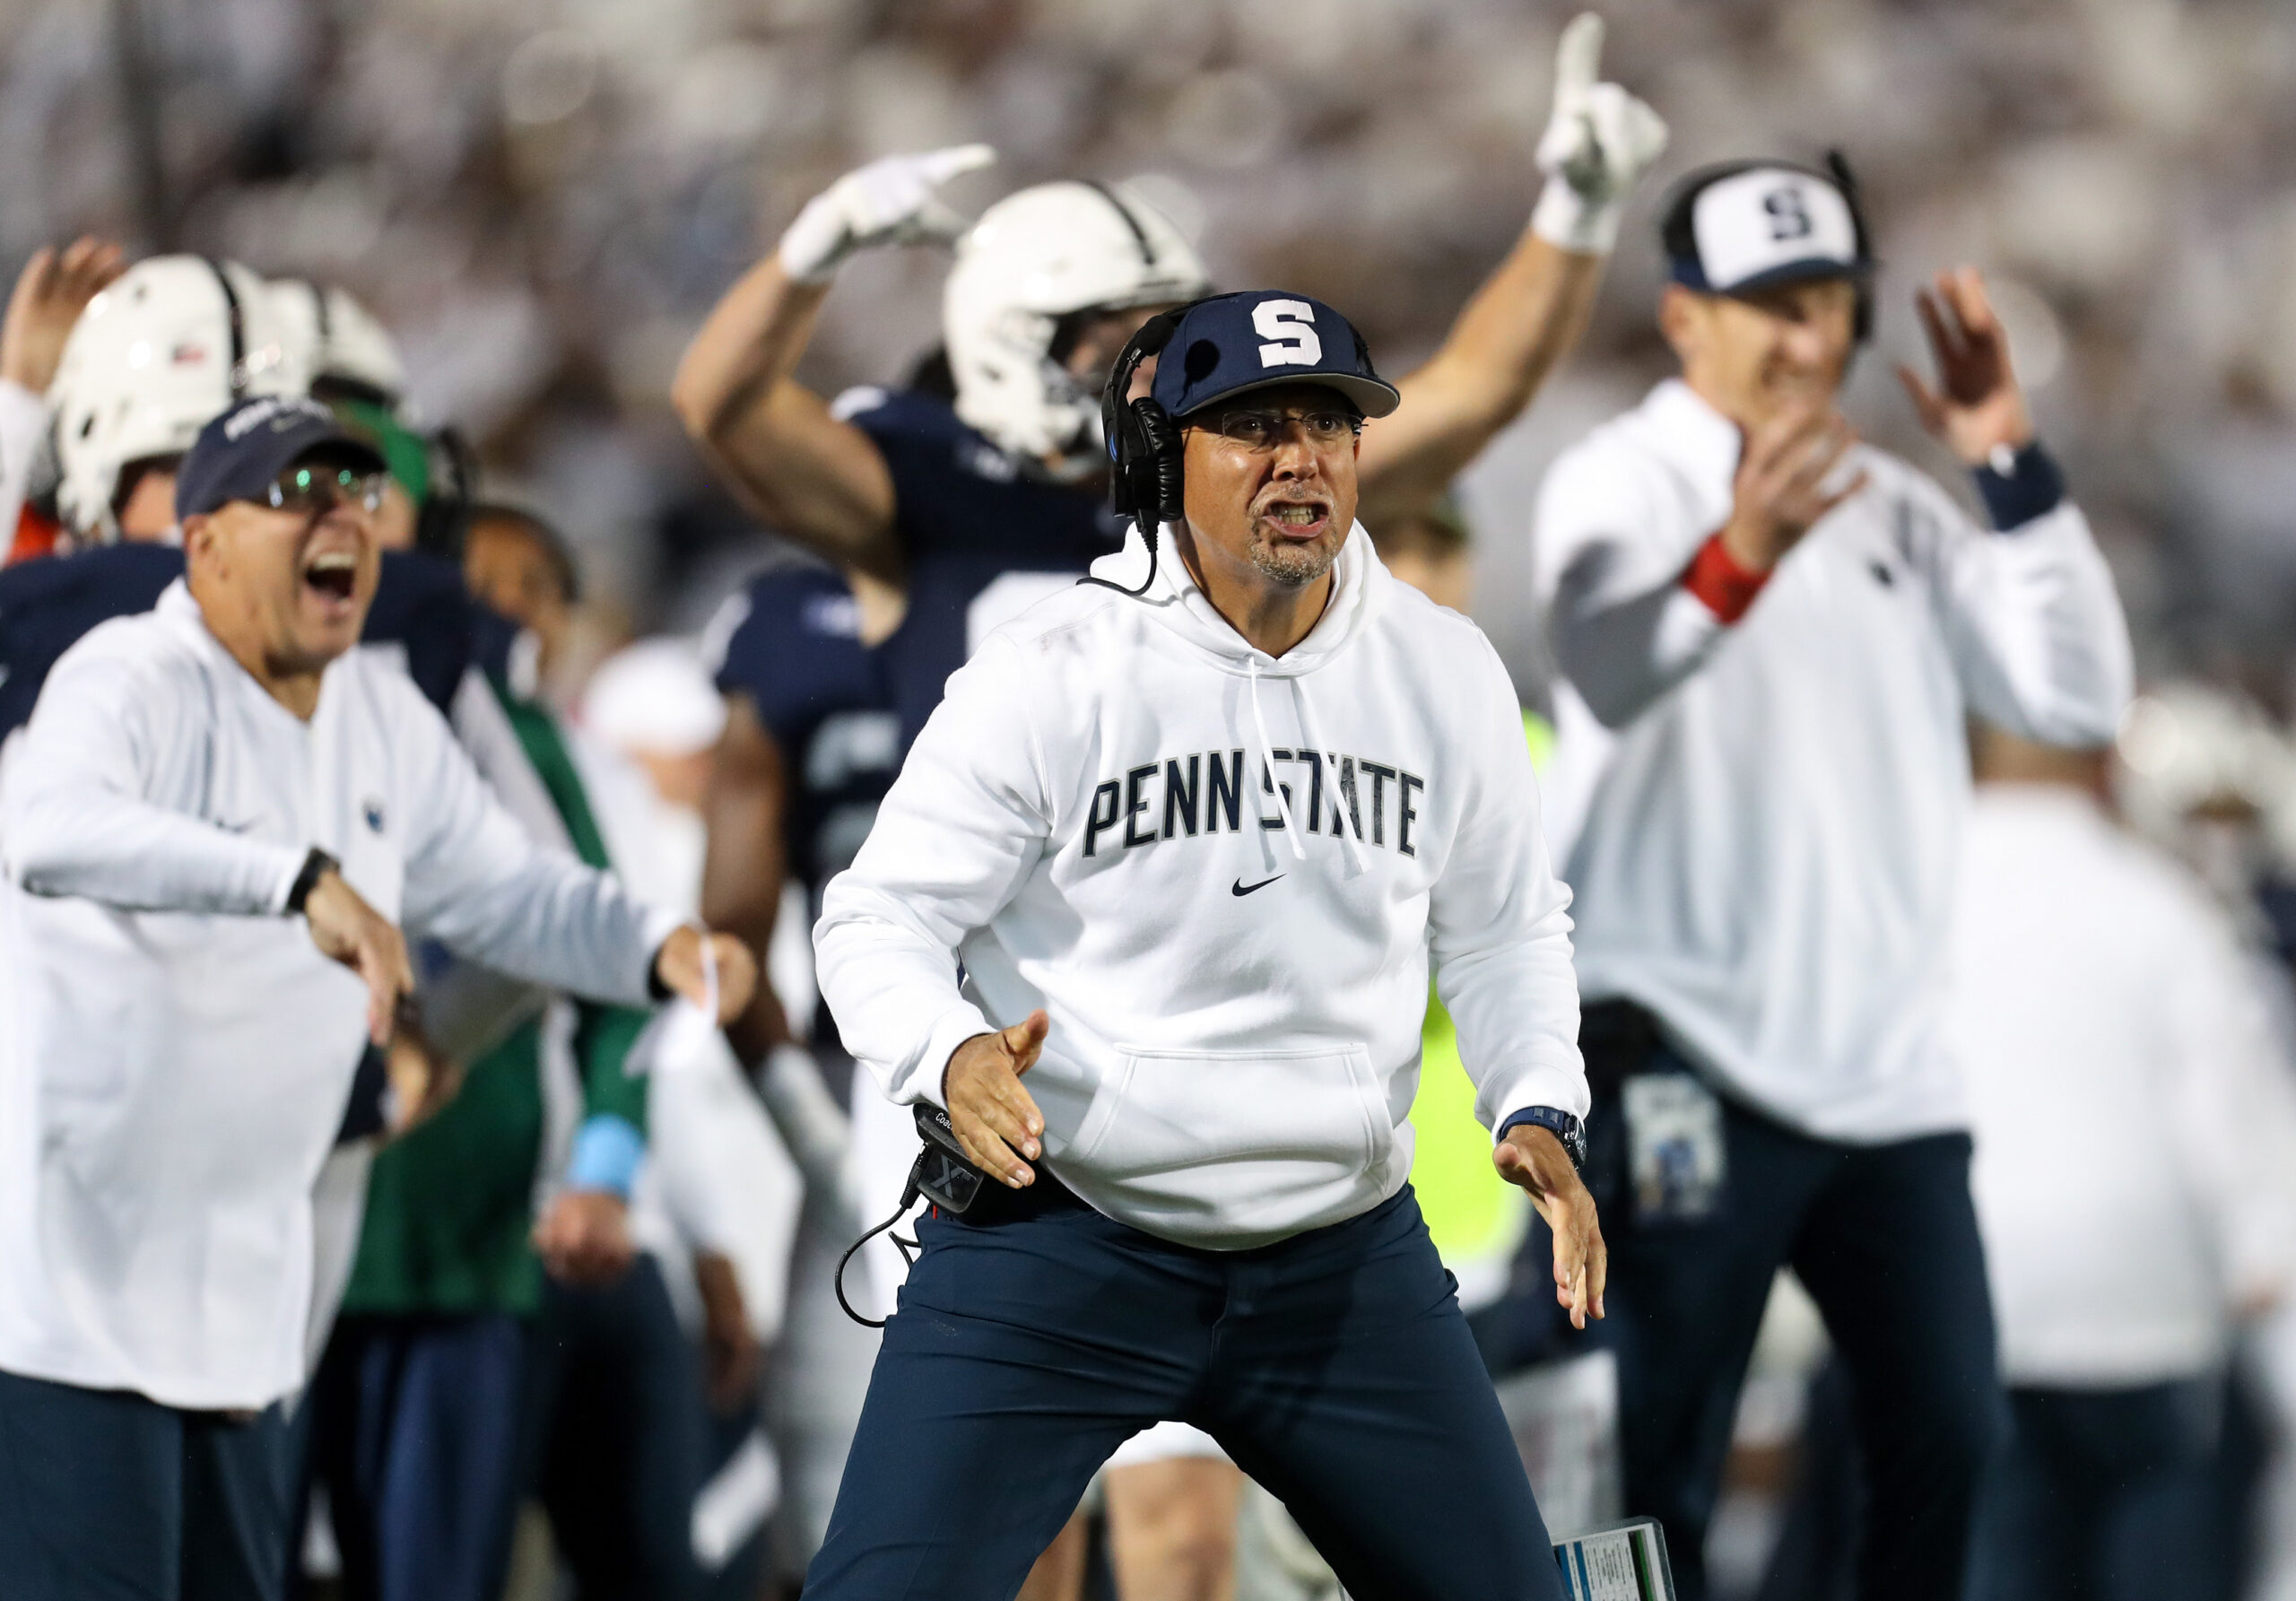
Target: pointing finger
{"points": [[939, 165], [1577, 58]]}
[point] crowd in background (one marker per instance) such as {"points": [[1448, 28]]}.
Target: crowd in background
{"points": [[541, 201], [543, 198]]}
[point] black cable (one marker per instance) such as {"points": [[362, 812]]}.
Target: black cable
{"points": [[1148, 533], [908, 1199]]}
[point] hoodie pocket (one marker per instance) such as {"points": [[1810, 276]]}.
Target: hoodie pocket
{"points": [[1259, 1127]]}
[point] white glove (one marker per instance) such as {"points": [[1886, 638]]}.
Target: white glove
{"points": [[895, 200], [1598, 140]]}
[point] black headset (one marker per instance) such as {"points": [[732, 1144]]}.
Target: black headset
{"points": [[1678, 236], [1145, 453]]}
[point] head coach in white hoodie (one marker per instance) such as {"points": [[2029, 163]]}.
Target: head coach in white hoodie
{"points": [[1772, 637], [1193, 830], [219, 815]]}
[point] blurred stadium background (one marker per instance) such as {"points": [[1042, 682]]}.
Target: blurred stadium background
{"points": [[541, 199]]}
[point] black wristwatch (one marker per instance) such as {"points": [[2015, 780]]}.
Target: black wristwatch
{"points": [[318, 862], [1557, 1122]]}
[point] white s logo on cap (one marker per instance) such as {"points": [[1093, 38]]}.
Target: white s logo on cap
{"points": [[1291, 326]]}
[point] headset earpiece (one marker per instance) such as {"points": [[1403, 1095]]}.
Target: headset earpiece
{"points": [[1163, 457], [1145, 447]]}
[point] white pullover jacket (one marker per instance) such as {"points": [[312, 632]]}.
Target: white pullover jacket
{"points": [[1222, 874], [1773, 808], [2136, 1121], [175, 1054]]}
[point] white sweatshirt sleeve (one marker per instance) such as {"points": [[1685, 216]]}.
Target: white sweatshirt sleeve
{"points": [[75, 819], [1500, 927], [476, 881], [955, 836], [22, 418], [2033, 621], [1610, 563]]}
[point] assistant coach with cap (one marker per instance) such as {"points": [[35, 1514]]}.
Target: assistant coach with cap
{"points": [[219, 815], [1771, 638], [1194, 829]]}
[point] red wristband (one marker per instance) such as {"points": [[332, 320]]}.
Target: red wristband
{"points": [[1716, 578]]}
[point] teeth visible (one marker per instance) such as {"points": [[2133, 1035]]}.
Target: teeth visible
{"points": [[334, 562], [1299, 515]]}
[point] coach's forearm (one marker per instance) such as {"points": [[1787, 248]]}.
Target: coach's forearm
{"points": [[895, 998], [70, 842], [1527, 316]]}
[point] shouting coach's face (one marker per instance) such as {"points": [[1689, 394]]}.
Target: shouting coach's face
{"points": [[290, 584], [1270, 480]]}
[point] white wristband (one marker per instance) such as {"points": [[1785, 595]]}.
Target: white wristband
{"points": [[817, 241], [1567, 220]]}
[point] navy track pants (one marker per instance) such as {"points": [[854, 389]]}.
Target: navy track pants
{"points": [[1036, 1336]]}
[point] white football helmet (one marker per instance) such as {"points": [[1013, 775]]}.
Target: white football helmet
{"points": [[340, 341], [154, 357], [1034, 258]]}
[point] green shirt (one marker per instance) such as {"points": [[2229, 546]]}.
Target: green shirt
{"points": [[450, 1206]]}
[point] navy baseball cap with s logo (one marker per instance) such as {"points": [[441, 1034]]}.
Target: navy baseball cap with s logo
{"points": [[1233, 343]]}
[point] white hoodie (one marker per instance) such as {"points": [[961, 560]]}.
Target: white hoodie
{"points": [[1222, 874]]}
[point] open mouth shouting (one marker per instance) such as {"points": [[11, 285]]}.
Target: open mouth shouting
{"points": [[331, 577]]}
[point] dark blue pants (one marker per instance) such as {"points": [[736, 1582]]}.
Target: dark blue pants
{"points": [[2107, 1495], [1036, 1336], [413, 1432], [1884, 1237], [108, 1496], [617, 1436]]}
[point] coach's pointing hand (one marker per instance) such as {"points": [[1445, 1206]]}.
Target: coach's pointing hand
{"points": [[1533, 1160], [354, 933], [996, 1121]]}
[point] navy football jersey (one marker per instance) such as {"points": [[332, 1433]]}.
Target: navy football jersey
{"points": [[792, 643], [981, 538], [421, 610]]}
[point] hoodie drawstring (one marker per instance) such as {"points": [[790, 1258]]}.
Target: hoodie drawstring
{"points": [[1351, 829], [1268, 766]]}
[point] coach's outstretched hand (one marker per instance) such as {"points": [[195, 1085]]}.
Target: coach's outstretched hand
{"points": [[716, 971], [354, 933], [1533, 1160], [997, 1122]]}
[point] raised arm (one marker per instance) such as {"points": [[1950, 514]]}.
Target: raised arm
{"points": [[2030, 612], [1636, 598], [774, 442], [51, 292], [1530, 312]]}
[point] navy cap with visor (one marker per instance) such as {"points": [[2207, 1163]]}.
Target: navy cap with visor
{"points": [[238, 455], [1234, 344]]}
